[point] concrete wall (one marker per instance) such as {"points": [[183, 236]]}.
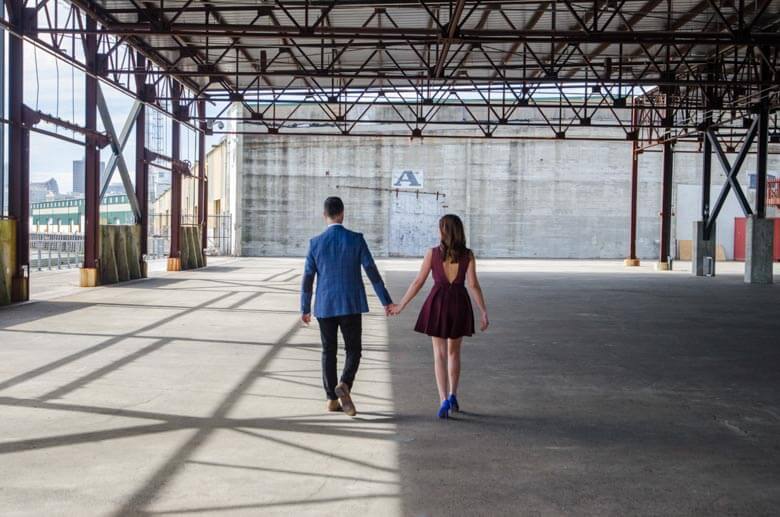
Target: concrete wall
{"points": [[518, 198]]}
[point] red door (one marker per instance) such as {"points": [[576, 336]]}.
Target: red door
{"points": [[739, 239], [776, 241]]}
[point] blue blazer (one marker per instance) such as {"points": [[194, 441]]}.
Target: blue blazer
{"points": [[335, 257]]}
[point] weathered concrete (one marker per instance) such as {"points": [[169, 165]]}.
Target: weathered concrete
{"points": [[703, 249], [522, 198], [759, 235], [599, 390]]}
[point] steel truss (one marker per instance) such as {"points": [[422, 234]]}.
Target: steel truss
{"points": [[561, 61]]}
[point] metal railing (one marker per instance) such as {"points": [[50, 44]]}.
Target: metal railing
{"points": [[56, 250], [65, 250]]}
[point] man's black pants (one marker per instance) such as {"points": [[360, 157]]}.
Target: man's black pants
{"points": [[352, 332]]}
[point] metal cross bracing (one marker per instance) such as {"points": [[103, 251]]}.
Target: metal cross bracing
{"points": [[493, 60]]}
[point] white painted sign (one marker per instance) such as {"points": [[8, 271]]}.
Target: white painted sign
{"points": [[408, 178]]}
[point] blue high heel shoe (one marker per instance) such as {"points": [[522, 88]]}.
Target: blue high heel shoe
{"points": [[454, 402], [444, 410]]}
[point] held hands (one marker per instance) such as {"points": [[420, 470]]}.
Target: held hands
{"points": [[392, 310]]}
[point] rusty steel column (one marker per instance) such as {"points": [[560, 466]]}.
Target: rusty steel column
{"points": [[174, 255], [632, 260], [141, 167], [19, 155], [203, 192], [90, 269]]}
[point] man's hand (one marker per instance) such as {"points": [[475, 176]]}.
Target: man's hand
{"points": [[306, 318], [391, 310]]}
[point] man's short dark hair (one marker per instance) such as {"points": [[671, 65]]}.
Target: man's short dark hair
{"points": [[334, 206]]}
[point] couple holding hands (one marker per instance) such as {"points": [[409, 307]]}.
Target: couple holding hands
{"points": [[335, 258]]}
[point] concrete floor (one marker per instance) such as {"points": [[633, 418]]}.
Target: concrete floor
{"points": [[598, 391]]}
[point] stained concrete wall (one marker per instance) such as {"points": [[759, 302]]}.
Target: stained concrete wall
{"points": [[522, 198]]}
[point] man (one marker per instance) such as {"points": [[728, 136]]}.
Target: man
{"points": [[335, 257]]}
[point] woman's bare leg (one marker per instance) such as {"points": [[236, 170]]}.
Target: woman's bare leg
{"points": [[440, 365], [453, 363]]}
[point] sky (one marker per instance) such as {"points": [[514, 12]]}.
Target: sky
{"points": [[56, 88]]}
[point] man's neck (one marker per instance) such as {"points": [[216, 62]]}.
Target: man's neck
{"points": [[331, 222]]}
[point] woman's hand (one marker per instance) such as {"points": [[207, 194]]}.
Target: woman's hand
{"points": [[396, 310], [484, 323]]}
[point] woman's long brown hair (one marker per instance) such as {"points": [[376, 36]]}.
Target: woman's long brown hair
{"points": [[453, 238]]}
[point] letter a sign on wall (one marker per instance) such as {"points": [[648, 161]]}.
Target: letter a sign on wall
{"points": [[408, 179]]}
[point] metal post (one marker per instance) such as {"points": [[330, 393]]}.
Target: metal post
{"points": [[703, 245], [763, 137], [632, 258], [203, 195], [666, 203], [19, 154], [174, 256], [706, 177], [89, 271], [2, 114], [141, 167]]}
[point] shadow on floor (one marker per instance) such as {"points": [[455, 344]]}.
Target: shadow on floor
{"points": [[597, 395]]}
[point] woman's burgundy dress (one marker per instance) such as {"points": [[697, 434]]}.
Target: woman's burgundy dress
{"points": [[447, 311]]}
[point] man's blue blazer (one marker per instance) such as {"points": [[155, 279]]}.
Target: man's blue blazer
{"points": [[335, 257]]}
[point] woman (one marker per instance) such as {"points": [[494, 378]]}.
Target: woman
{"points": [[446, 315]]}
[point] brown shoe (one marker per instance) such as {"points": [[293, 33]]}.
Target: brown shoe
{"points": [[333, 405], [342, 390]]}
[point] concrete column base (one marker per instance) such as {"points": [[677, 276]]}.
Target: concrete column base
{"points": [[702, 249], [174, 264], [662, 266], [631, 262], [759, 234], [89, 277]]}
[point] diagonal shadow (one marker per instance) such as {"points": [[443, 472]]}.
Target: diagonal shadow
{"points": [[277, 504], [146, 494], [314, 450], [327, 475], [151, 336], [277, 275], [105, 370], [31, 374]]}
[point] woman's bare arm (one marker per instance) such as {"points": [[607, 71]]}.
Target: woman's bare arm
{"points": [[418, 282], [476, 291]]}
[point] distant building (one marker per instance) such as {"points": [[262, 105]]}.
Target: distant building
{"points": [[40, 190], [67, 215], [115, 189], [159, 183], [78, 175]]}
